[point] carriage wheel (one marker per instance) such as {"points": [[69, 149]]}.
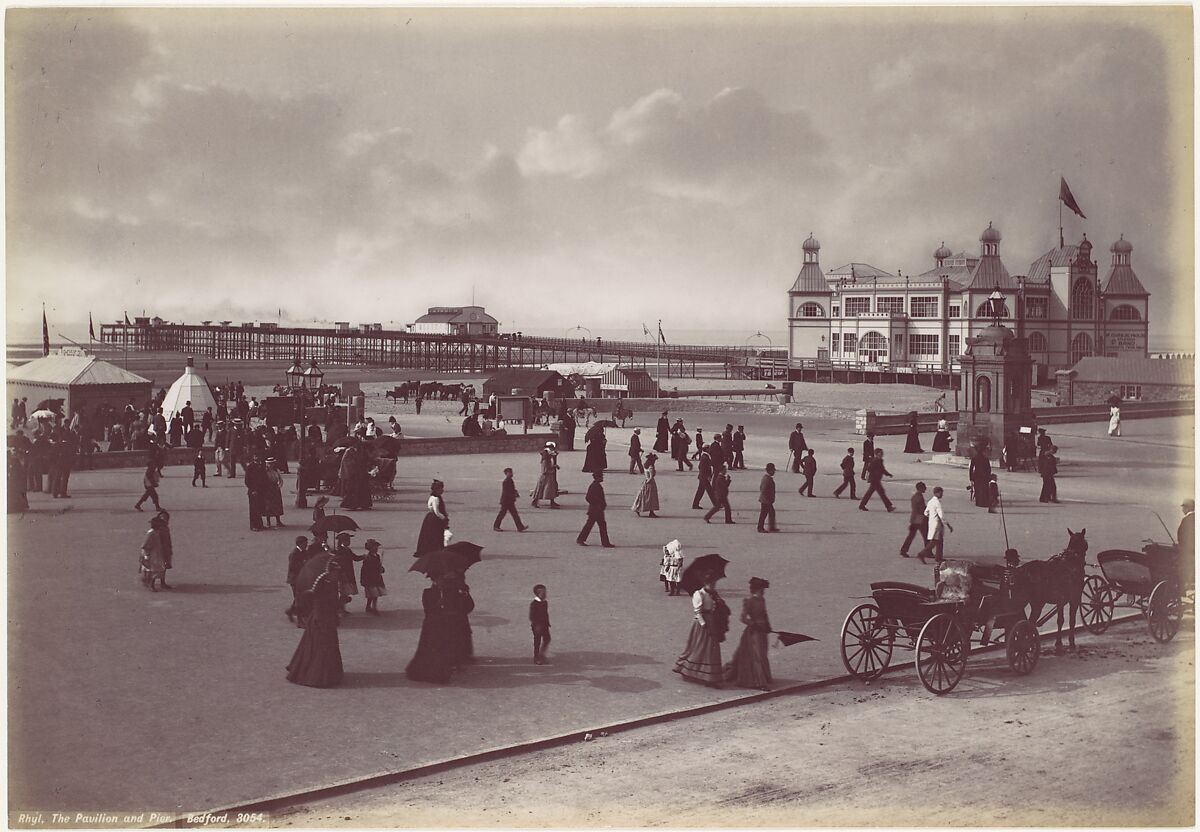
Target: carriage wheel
{"points": [[941, 654], [1096, 604], [1164, 613], [866, 642], [1023, 647]]}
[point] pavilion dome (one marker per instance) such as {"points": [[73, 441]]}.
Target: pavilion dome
{"points": [[1122, 246], [942, 253], [990, 235], [811, 244]]}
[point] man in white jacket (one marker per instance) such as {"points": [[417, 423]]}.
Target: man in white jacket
{"points": [[938, 526]]}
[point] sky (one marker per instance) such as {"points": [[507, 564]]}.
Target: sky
{"points": [[603, 168]]}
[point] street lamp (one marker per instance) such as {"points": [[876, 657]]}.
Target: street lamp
{"points": [[295, 375], [996, 298], [579, 329], [311, 378]]}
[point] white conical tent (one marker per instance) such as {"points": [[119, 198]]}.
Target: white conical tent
{"points": [[189, 387]]}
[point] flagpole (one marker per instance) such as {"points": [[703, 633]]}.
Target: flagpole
{"points": [[658, 361], [1061, 241]]}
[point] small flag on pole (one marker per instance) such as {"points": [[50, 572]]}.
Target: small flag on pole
{"points": [[661, 337], [45, 333], [91, 329], [126, 319], [646, 330], [1068, 199]]}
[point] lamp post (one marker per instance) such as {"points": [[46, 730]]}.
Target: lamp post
{"points": [[996, 299], [770, 346], [302, 382]]}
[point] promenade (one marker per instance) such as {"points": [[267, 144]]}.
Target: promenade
{"points": [[121, 699]]}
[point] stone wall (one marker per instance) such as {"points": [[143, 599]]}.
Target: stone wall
{"points": [[409, 447], [1072, 392], [894, 424]]}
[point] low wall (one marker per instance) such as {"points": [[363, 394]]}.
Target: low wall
{"points": [[892, 424], [508, 443], [409, 447], [648, 409]]}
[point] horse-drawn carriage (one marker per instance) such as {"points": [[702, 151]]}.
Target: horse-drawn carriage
{"points": [[1156, 581], [967, 597], [937, 623]]}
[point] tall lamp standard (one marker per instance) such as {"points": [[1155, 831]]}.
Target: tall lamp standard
{"points": [[302, 384]]}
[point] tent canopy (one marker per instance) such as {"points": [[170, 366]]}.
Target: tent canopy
{"points": [[189, 387]]}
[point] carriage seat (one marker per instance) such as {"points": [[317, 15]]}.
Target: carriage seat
{"points": [[901, 585]]}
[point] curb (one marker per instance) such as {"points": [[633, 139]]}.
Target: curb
{"points": [[293, 799]]}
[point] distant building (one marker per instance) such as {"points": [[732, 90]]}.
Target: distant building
{"points": [[861, 315], [456, 320], [1095, 380]]}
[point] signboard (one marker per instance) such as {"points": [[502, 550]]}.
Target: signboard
{"points": [[1125, 342], [515, 410], [350, 388]]}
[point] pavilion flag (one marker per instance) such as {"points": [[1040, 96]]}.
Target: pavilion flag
{"points": [[1068, 199], [91, 329], [661, 337], [45, 333], [126, 319], [646, 330]]}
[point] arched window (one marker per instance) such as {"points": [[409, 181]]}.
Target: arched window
{"points": [[1082, 296], [983, 394], [1037, 342], [812, 310], [1125, 312], [1081, 347], [873, 342], [984, 310]]}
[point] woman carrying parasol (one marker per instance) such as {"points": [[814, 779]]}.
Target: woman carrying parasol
{"points": [[701, 659]]}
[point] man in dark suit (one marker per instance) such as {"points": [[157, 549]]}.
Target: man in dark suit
{"points": [[766, 500], [720, 485], [847, 465], [256, 486], [809, 466], [797, 446], [739, 446], [1186, 534], [595, 512], [1048, 467], [918, 523], [875, 474], [868, 453], [704, 476], [635, 451], [188, 416], [508, 502], [727, 446]]}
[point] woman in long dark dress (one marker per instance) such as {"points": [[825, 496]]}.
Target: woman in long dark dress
{"points": [[317, 661], [595, 459], [662, 434], [17, 482], [912, 445], [941, 437], [433, 661], [980, 474], [750, 667], [459, 604], [437, 520]]}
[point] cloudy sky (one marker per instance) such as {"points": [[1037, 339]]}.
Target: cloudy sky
{"points": [[602, 167]]}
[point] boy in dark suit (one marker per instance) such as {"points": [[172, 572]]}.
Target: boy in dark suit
{"points": [[539, 623], [508, 502], [808, 466]]}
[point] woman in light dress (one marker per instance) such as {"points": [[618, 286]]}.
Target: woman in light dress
{"points": [[1114, 420], [547, 484], [647, 498], [701, 659]]}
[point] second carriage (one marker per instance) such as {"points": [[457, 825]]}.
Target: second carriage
{"points": [[938, 624]]}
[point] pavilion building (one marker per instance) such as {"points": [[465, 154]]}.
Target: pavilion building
{"points": [[861, 316]]}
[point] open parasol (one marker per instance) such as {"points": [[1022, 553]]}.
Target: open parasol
{"points": [[457, 557], [693, 577], [43, 414], [311, 569]]}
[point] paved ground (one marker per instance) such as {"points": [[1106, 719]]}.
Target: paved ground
{"points": [[1093, 739], [119, 698]]}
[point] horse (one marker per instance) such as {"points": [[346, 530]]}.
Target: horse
{"points": [[1057, 581]]}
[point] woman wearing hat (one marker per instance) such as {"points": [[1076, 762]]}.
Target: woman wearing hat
{"points": [[273, 494], [317, 661], [647, 498], [547, 484], [432, 536], [750, 667], [701, 659], [433, 661]]}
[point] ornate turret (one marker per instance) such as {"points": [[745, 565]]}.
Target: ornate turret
{"points": [[942, 255], [989, 273], [810, 280], [1121, 278]]}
